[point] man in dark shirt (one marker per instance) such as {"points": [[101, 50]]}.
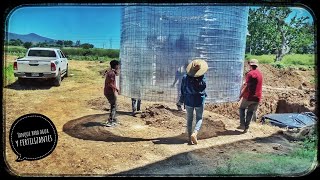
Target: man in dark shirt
{"points": [[111, 91], [251, 94]]}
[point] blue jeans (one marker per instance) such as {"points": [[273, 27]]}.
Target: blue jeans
{"points": [[199, 117]]}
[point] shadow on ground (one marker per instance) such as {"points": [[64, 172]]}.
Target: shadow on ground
{"points": [[199, 162], [204, 162], [31, 84], [92, 127]]}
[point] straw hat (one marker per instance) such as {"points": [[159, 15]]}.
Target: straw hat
{"points": [[253, 62], [197, 68]]}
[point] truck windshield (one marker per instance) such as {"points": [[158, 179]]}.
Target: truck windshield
{"points": [[42, 53]]}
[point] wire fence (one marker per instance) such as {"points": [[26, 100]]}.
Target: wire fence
{"points": [[158, 40]]}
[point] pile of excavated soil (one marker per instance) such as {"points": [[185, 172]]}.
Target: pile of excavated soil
{"points": [[98, 103], [279, 101], [162, 116], [284, 91], [290, 77]]}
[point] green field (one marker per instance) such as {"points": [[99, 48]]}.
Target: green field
{"points": [[290, 60], [300, 161], [94, 54]]}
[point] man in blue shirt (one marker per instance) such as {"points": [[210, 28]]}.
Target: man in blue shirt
{"points": [[193, 92]]}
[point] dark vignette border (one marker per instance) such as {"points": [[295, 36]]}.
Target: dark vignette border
{"points": [[8, 6]]}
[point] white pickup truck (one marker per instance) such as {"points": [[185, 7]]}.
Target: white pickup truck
{"points": [[41, 63]]}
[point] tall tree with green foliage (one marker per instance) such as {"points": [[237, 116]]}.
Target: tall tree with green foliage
{"points": [[15, 42], [87, 46], [68, 43], [271, 32], [27, 45], [60, 43], [304, 42]]}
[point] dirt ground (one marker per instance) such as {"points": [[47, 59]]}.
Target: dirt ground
{"points": [[154, 141]]}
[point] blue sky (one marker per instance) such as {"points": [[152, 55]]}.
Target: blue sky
{"points": [[98, 25]]}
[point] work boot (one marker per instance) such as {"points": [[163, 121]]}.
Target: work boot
{"points": [[194, 137], [109, 123], [241, 127], [115, 122], [133, 113], [190, 141]]}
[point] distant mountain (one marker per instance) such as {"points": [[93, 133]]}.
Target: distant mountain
{"points": [[32, 37]]}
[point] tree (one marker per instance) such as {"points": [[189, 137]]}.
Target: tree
{"points": [[68, 43], [27, 45], [78, 43], [42, 44], [270, 32], [15, 42], [86, 46], [60, 43], [304, 41]]}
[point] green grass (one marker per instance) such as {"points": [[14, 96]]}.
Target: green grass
{"points": [[266, 164], [314, 80], [89, 58], [300, 161], [290, 60], [8, 75], [299, 59], [263, 59], [73, 53]]}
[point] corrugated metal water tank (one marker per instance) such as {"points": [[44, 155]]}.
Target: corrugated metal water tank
{"points": [[157, 40]]}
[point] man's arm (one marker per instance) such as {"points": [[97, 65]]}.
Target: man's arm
{"points": [[112, 82], [175, 79], [244, 86], [182, 89]]}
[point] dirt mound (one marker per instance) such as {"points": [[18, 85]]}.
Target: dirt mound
{"points": [[98, 103], [211, 128], [274, 101], [284, 91], [290, 77], [159, 115]]}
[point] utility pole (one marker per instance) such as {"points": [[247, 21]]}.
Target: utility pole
{"points": [[110, 43]]}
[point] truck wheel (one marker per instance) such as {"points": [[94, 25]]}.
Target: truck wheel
{"points": [[67, 71], [57, 80]]}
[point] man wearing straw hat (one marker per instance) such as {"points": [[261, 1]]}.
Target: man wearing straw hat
{"points": [[251, 94], [193, 91]]}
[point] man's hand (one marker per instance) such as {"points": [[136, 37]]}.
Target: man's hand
{"points": [[172, 86], [239, 101]]}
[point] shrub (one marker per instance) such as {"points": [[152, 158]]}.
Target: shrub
{"points": [[263, 59], [278, 65], [8, 74]]}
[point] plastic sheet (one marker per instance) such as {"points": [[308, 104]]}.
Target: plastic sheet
{"points": [[290, 120]]}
